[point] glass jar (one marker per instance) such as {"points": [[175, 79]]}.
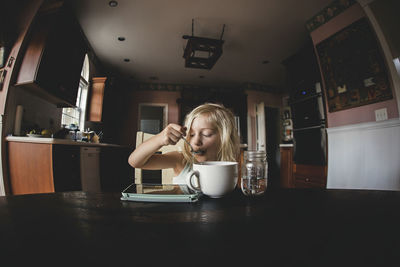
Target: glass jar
{"points": [[254, 173]]}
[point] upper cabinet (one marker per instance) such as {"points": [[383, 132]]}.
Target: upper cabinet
{"points": [[96, 100], [105, 108], [54, 57], [302, 71]]}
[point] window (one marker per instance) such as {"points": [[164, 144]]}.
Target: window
{"points": [[76, 116]]}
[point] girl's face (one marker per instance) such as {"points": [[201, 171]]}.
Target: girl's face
{"points": [[204, 138]]}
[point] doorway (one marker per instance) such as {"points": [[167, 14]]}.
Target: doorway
{"points": [[152, 117]]}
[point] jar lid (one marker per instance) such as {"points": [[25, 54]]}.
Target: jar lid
{"points": [[253, 154]]}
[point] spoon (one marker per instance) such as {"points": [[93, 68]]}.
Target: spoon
{"points": [[191, 148]]}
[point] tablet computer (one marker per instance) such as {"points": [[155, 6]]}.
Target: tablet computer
{"points": [[159, 193]]}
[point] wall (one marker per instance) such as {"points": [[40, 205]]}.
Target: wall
{"points": [[365, 156], [37, 112], [363, 153], [364, 113], [131, 108]]}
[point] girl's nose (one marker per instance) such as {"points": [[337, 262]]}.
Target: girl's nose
{"points": [[196, 140]]}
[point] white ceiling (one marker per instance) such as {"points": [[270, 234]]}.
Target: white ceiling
{"points": [[255, 31]]}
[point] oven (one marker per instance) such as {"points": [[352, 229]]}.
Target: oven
{"points": [[309, 133], [307, 112]]}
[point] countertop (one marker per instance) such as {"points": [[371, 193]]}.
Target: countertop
{"points": [[285, 145], [286, 227], [55, 141]]}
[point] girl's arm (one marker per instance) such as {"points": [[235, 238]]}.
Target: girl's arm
{"points": [[144, 156]]}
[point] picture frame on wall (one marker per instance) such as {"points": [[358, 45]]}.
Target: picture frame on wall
{"points": [[353, 68]]}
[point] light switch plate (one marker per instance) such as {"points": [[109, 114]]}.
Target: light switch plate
{"points": [[381, 114]]}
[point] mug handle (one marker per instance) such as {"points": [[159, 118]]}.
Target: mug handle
{"points": [[189, 180]]}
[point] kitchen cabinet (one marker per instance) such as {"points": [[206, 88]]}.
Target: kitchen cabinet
{"points": [[42, 168], [105, 107], [287, 167], [97, 99], [53, 58], [309, 176], [53, 165], [302, 71], [30, 168], [300, 175], [66, 168]]}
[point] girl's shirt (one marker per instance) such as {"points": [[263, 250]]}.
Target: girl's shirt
{"points": [[181, 178]]}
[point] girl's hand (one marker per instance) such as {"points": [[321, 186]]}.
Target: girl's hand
{"points": [[172, 134]]}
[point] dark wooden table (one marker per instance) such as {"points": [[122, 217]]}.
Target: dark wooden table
{"points": [[291, 227]]}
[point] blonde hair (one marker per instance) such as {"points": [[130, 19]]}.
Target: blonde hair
{"points": [[224, 122]]}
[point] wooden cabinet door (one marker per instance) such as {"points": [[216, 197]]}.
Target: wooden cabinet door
{"points": [[53, 59], [302, 69], [30, 168], [66, 168], [287, 167], [308, 176], [69, 46], [96, 99]]}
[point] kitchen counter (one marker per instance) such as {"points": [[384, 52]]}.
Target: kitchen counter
{"points": [[44, 165], [55, 141]]}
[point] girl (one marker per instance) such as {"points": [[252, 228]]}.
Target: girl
{"points": [[211, 133]]}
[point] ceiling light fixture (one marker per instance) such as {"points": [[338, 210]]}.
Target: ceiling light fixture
{"points": [[121, 38], [127, 59], [113, 3], [202, 53]]}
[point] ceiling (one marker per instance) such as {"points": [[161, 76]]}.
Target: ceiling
{"points": [[255, 31]]}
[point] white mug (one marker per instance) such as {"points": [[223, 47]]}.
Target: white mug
{"points": [[213, 178]]}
